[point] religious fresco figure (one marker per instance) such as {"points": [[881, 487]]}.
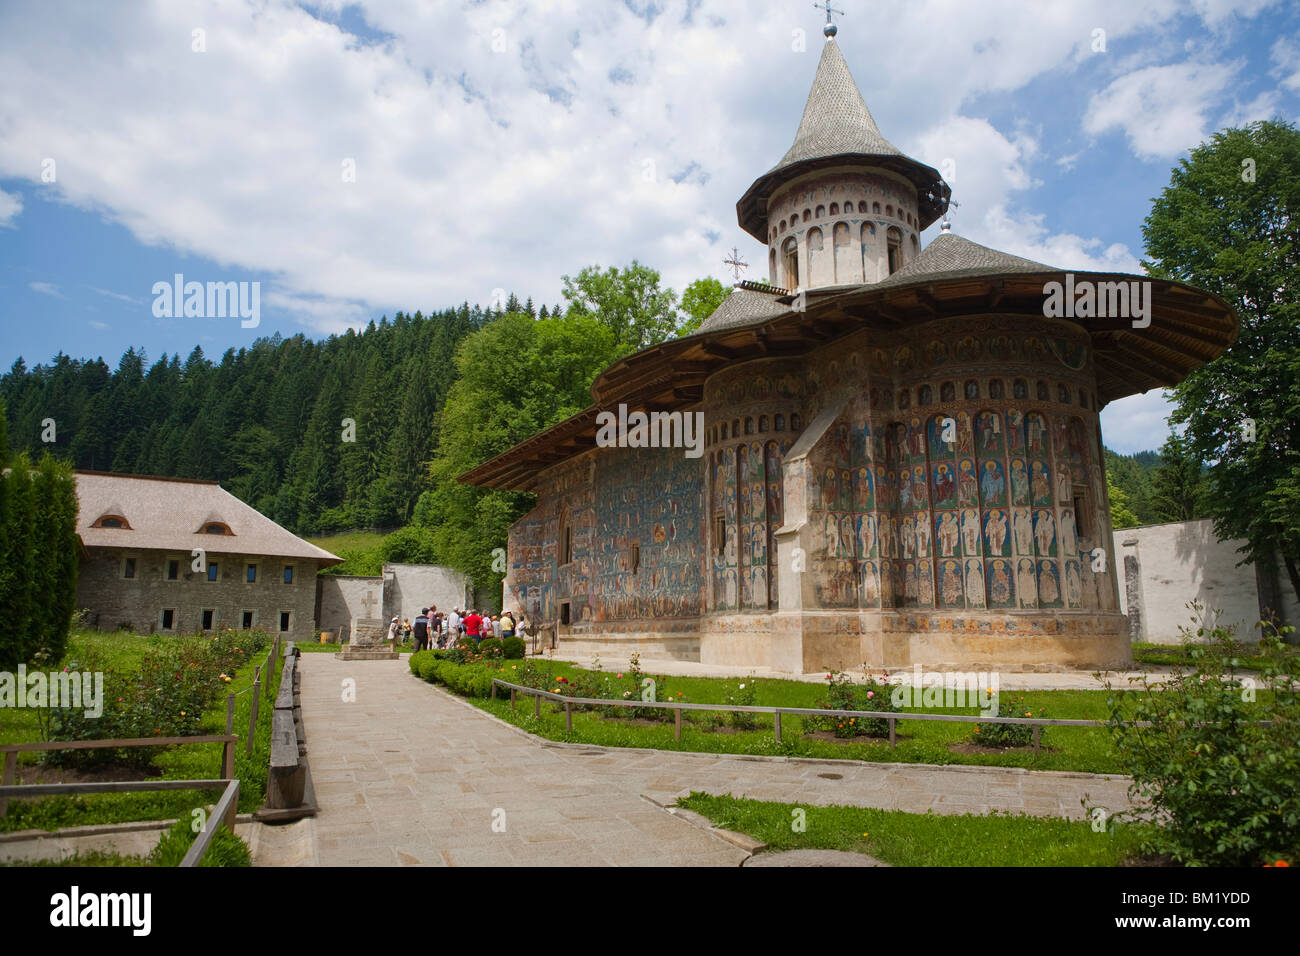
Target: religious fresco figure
{"points": [[1062, 484], [925, 586], [995, 532], [988, 433], [846, 536], [947, 534], [992, 484], [1015, 432], [922, 525], [1042, 484], [1034, 428], [974, 582], [830, 489], [1019, 482], [1068, 543], [1023, 529], [965, 435], [945, 488], [1045, 532], [866, 535], [870, 584], [1027, 582], [905, 490], [1073, 585], [1049, 586], [1001, 591], [909, 538], [950, 588], [967, 483], [863, 496], [970, 531]]}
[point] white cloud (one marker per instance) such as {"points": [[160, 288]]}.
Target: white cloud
{"points": [[99, 325], [1162, 109], [1137, 423], [11, 204], [46, 288], [476, 169], [120, 296], [1285, 55]]}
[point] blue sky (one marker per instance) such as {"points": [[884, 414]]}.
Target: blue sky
{"points": [[501, 145]]}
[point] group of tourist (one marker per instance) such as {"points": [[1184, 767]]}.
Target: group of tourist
{"points": [[433, 627]]}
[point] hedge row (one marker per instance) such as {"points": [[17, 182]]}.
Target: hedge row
{"points": [[468, 680]]}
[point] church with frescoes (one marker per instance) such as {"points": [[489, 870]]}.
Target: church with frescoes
{"points": [[903, 456]]}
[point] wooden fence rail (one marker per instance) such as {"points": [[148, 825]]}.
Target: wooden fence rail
{"points": [[892, 717]]}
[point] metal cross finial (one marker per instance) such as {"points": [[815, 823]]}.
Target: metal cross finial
{"points": [[830, 29], [736, 262]]}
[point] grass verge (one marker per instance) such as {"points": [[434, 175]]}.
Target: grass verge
{"points": [[914, 839]]}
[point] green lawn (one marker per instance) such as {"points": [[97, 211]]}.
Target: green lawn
{"points": [[1064, 748], [186, 761], [913, 839]]}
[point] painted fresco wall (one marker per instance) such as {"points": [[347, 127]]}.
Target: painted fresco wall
{"points": [[634, 520]]}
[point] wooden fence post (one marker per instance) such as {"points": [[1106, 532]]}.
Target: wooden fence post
{"points": [[228, 748], [777, 715], [892, 739], [7, 779], [1035, 736], [512, 698], [677, 724], [252, 717], [537, 705], [568, 716]]}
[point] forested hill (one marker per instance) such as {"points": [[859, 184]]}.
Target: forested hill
{"points": [[265, 421]]}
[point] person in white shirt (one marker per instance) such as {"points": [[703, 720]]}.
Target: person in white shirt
{"points": [[453, 626]]}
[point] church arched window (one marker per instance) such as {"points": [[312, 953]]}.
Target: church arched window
{"points": [[778, 422], [821, 211], [790, 254], [835, 209], [795, 423], [894, 242], [948, 392], [889, 211], [862, 206], [875, 207], [749, 426], [807, 214]]}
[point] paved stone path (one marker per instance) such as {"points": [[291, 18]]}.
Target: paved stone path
{"points": [[408, 774]]}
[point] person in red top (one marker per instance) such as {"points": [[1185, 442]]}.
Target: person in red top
{"points": [[473, 625]]}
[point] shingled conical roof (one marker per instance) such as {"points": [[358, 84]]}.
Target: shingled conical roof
{"points": [[837, 129], [835, 119]]}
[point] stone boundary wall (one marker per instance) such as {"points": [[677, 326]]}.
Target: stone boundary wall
{"points": [[1164, 567]]}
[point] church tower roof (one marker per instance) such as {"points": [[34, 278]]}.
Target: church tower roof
{"points": [[837, 129]]}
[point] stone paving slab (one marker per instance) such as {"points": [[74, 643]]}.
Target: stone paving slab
{"points": [[411, 775]]}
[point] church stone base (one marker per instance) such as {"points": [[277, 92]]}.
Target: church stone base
{"points": [[812, 641], [662, 639]]}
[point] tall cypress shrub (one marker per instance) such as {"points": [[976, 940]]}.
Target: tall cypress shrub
{"points": [[38, 560]]}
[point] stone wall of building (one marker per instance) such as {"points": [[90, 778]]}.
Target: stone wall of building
{"points": [[1168, 566], [343, 599], [410, 587], [138, 602], [835, 227]]}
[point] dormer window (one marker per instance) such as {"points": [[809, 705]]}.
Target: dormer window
{"points": [[216, 527], [114, 521]]}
